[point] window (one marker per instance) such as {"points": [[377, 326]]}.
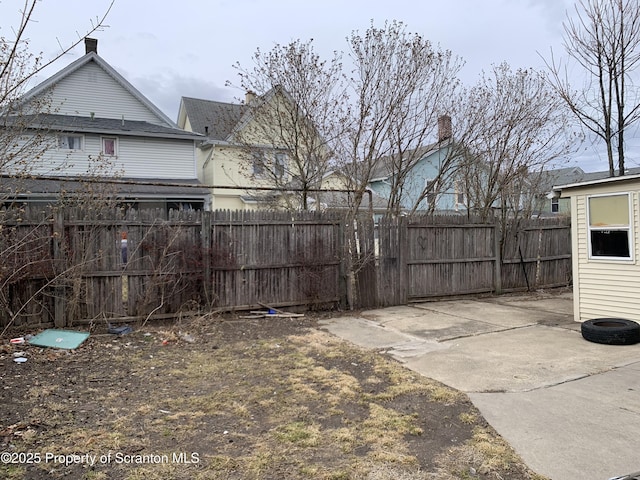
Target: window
{"points": [[261, 166], [258, 164], [109, 146], [430, 191], [555, 205], [279, 165], [609, 226], [70, 142], [461, 197]]}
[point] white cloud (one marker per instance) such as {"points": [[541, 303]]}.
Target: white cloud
{"points": [[165, 90]]}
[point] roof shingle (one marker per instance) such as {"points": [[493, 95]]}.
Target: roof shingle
{"points": [[75, 123], [214, 119]]}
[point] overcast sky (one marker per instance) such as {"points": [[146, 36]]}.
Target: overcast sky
{"points": [[172, 49]]}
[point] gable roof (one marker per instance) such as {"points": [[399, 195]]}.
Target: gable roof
{"points": [[260, 101], [95, 58], [214, 119], [219, 121]]}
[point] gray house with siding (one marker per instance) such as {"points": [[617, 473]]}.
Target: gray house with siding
{"points": [[95, 126]]}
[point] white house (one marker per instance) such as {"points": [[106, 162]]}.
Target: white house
{"points": [[96, 124], [605, 232]]}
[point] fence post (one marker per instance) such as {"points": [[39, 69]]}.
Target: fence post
{"points": [[403, 266], [497, 234], [345, 264], [205, 237], [59, 318]]}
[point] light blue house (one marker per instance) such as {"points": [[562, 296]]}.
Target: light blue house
{"points": [[429, 184]]}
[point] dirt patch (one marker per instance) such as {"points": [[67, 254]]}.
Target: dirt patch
{"points": [[247, 399]]}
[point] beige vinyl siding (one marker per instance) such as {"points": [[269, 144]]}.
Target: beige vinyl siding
{"points": [[605, 287], [138, 157], [223, 201], [91, 90], [575, 255]]}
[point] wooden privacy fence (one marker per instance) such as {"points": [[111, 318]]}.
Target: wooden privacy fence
{"points": [[275, 258], [536, 254], [69, 266], [425, 257]]}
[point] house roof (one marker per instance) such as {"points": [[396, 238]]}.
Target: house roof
{"points": [[600, 181], [216, 120], [219, 121], [548, 178], [47, 187], [95, 58], [73, 123]]}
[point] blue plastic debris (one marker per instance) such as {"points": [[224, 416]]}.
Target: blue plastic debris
{"points": [[66, 339]]}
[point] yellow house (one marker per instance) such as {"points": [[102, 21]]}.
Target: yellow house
{"points": [[605, 233], [250, 156], [338, 195]]}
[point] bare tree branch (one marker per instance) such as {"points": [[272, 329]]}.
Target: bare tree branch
{"points": [[604, 41]]}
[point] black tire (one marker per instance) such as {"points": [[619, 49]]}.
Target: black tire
{"points": [[611, 331]]}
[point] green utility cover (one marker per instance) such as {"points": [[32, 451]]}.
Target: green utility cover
{"points": [[66, 339]]}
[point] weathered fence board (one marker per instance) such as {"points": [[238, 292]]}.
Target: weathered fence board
{"points": [[392, 285], [438, 256], [275, 258], [364, 262], [67, 266], [449, 258], [536, 254]]}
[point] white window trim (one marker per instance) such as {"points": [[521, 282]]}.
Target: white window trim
{"points": [[629, 229], [459, 193], [76, 135], [283, 164], [258, 160], [434, 191], [115, 147], [555, 202]]}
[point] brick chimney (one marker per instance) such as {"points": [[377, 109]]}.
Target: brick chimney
{"points": [[444, 128], [91, 45], [249, 97]]}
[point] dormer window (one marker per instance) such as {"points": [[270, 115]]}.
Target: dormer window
{"points": [[70, 142]]}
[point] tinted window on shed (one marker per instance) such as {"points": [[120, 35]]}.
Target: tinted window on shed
{"points": [[609, 225]]}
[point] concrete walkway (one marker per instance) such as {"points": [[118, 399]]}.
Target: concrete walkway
{"points": [[570, 408]]}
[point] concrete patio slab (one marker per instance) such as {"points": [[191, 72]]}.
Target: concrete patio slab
{"points": [[569, 407], [582, 430]]}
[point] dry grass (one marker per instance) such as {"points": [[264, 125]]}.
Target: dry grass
{"points": [[303, 406]]}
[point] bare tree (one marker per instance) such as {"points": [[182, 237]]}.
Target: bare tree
{"points": [[510, 126], [604, 41], [292, 117], [20, 143], [23, 140], [399, 86]]}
